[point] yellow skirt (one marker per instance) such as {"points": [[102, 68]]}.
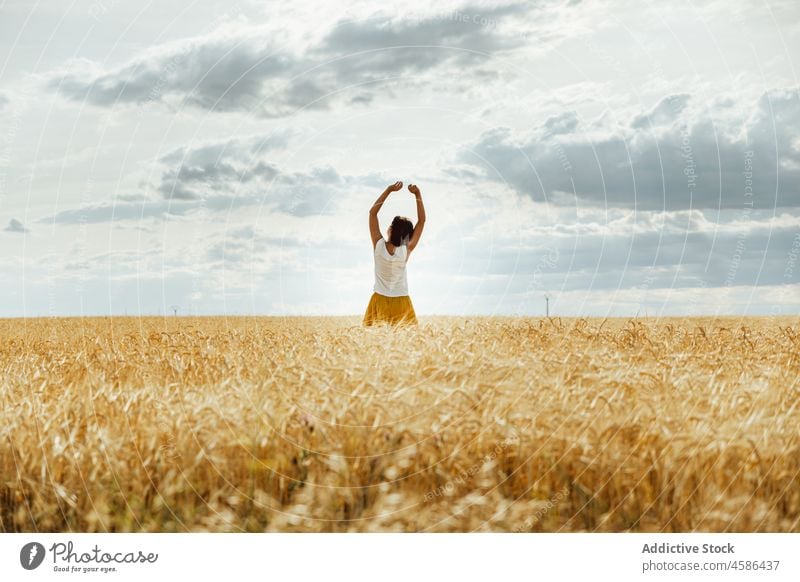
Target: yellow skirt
{"points": [[392, 310]]}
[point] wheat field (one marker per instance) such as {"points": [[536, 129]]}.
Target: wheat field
{"points": [[479, 424]]}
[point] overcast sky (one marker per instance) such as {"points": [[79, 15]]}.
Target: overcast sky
{"points": [[221, 156]]}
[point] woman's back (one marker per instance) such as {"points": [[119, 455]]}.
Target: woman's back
{"points": [[390, 270], [390, 302]]}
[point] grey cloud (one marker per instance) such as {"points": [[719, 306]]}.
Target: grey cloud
{"points": [[649, 250], [185, 181], [756, 258], [220, 177], [375, 48], [757, 255], [654, 164], [236, 173], [222, 73], [310, 200], [246, 244], [243, 71], [192, 171], [15, 225], [211, 152], [131, 209], [206, 176], [473, 27]]}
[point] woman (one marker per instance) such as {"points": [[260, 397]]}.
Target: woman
{"points": [[390, 302]]}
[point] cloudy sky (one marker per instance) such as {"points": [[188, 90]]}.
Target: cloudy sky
{"points": [[623, 157]]}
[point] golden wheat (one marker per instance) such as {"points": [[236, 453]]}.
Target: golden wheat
{"points": [[317, 424]]}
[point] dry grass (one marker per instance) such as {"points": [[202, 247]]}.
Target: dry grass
{"points": [[230, 424]]}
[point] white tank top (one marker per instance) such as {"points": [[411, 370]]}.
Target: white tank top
{"points": [[390, 270]]}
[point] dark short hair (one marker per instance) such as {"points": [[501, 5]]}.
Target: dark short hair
{"points": [[402, 229]]}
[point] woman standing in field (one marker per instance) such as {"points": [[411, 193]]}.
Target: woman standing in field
{"points": [[390, 302]]}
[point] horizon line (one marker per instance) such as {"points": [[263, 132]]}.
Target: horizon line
{"points": [[360, 315]]}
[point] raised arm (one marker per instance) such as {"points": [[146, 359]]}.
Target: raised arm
{"points": [[374, 228], [420, 217]]}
